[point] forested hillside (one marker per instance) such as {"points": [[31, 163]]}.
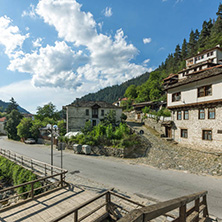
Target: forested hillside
{"points": [[151, 88], [4, 106], [113, 93]]}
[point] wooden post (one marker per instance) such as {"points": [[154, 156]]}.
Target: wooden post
{"points": [[45, 171], [182, 214], [31, 165], [197, 208], [108, 200], [22, 160], [76, 216], [61, 179], [205, 211], [32, 190]]}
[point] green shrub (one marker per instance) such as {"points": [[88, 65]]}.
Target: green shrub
{"points": [[15, 174]]}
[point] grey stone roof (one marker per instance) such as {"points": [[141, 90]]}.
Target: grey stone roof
{"points": [[209, 72], [101, 104]]}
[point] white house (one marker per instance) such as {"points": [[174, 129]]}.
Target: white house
{"points": [[196, 104], [201, 61], [2, 122], [79, 112]]}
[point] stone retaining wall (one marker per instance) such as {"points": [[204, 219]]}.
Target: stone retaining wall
{"points": [[108, 151], [155, 125]]}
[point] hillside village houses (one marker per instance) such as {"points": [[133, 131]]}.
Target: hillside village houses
{"points": [[79, 112], [2, 124], [194, 96]]}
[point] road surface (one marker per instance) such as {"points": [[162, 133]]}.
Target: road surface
{"points": [[131, 178]]}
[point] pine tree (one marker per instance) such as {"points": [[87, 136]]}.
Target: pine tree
{"points": [[192, 45], [184, 49], [216, 31], [12, 106], [177, 58]]}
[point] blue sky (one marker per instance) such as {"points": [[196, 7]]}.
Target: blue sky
{"points": [[58, 50]]}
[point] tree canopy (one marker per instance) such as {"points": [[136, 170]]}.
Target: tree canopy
{"points": [[47, 111]]}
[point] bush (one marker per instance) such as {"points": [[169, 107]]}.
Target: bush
{"points": [[15, 174], [108, 135]]}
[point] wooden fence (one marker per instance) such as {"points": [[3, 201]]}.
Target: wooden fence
{"points": [[146, 213], [107, 203], [198, 212], [51, 178]]}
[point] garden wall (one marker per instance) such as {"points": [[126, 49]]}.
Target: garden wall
{"points": [[109, 151]]}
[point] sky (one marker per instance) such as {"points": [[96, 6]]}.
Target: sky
{"points": [[59, 50]]}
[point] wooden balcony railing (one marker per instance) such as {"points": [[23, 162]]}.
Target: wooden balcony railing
{"points": [[51, 178], [107, 203], [198, 212]]}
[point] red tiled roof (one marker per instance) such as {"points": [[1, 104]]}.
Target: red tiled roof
{"points": [[2, 119]]}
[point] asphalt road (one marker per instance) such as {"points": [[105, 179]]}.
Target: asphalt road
{"points": [[132, 178]]}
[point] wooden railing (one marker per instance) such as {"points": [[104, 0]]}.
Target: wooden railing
{"points": [[38, 167], [107, 203], [51, 178], [198, 212]]}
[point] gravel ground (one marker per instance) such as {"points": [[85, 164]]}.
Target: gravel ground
{"points": [[168, 155]]}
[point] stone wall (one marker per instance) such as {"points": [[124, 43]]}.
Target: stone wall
{"points": [[155, 125], [149, 121], [109, 151], [195, 127]]}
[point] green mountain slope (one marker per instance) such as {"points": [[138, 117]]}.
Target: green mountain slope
{"points": [[113, 93], [4, 105]]}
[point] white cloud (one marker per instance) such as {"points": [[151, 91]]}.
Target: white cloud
{"points": [[51, 66], [100, 25], [147, 40], [28, 96], [70, 22], [161, 49], [146, 61], [108, 12], [37, 42], [31, 13], [103, 61], [10, 37], [109, 59]]}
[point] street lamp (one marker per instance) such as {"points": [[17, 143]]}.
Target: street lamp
{"points": [[53, 129]]}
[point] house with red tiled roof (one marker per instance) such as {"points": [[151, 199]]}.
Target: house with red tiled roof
{"points": [[120, 100], [194, 96], [2, 122]]}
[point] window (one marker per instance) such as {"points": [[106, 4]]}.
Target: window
{"points": [[211, 113], [94, 113], [87, 112], [94, 122], [176, 97], [179, 115], [201, 114], [184, 133], [102, 112], [204, 91], [186, 114], [207, 134], [202, 56]]}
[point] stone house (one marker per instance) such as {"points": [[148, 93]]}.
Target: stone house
{"points": [[79, 112], [2, 123], [195, 100]]}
